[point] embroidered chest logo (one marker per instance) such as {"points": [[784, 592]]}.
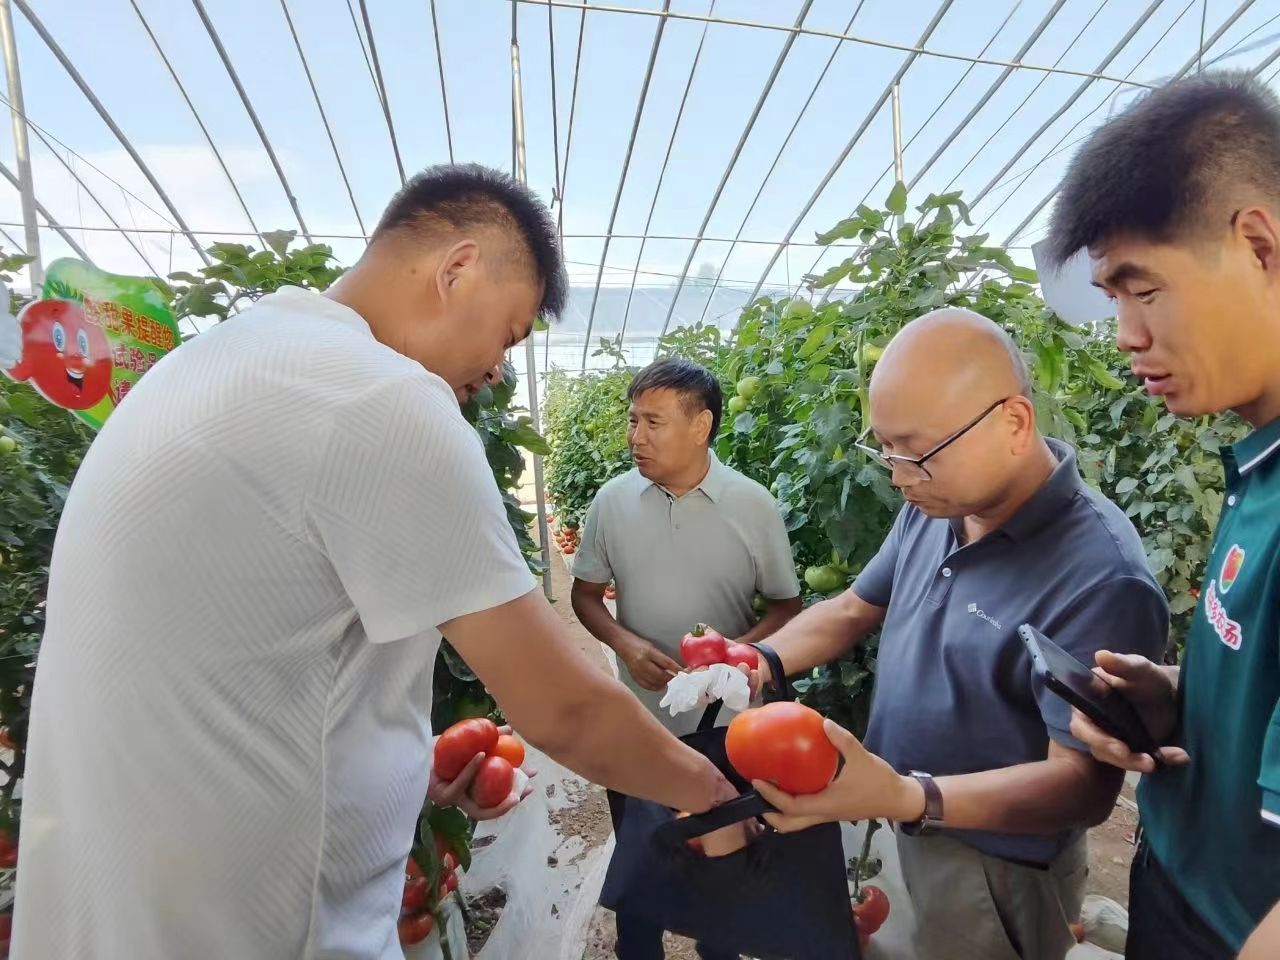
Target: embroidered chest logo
{"points": [[1231, 567], [983, 615], [1228, 630]]}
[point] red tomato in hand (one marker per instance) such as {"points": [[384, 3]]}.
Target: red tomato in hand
{"points": [[414, 929], [457, 745], [744, 654], [784, 744], [702, 647], [493, 782], [415, 895], [510, 749], [872, 911]]}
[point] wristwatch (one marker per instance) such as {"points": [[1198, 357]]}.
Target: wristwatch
{"points": [[931, 819]]}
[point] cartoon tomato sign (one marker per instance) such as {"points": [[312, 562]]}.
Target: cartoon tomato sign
{"points": [[85, 345], [64, 356]]}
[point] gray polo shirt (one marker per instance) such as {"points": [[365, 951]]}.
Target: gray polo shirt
{"points": [[954, 690], [678, 561]]}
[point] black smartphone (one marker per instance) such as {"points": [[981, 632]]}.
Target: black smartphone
{"points": [[1077, 684]]}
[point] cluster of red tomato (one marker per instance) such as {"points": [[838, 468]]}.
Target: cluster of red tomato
{"points": [[8, 860], [566, 536], [419, 903], [704, 645], [503, 755], [870, 911]]}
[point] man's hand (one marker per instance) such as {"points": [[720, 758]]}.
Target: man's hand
{"points": [[867, 787], [757, 678], [649, 666], [1153, 692], [454, 793]]}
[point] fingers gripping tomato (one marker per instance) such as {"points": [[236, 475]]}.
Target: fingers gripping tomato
{"points": [[457, 745], [493, 782], [702, 647], [784, 744]]}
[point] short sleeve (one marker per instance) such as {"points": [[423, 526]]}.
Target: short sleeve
{"points": [[1124, 615], [875, 582], [1269, 775], [405, 507], [775, 564], [591, 563]]}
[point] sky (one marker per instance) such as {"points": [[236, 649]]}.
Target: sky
{"points": [[1010, 154]]}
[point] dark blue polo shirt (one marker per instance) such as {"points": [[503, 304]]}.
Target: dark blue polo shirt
{"points": [[954, 690]]}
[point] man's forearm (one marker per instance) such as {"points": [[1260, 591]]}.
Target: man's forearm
{"points": [[1058, 793], [600, 623], [1264, 942], [823, 632], [779, 614]]}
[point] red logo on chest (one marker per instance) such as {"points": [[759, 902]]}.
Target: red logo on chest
{"points": [[1228, 630]]}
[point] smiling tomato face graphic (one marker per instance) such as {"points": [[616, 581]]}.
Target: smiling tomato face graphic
{"points": [[65, 357]]}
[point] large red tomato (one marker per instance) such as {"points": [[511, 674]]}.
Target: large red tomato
{"points": [[493, 782], [702, 646], [65, 357], [872, 911], [457, 745], [414, 929], [783, 744]]}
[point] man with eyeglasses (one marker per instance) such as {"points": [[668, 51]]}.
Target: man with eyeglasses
{"points": [[973, 760]]}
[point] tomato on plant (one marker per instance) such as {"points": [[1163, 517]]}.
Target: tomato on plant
{"points": [[872, 910], [784, 744], [414, 898], [748, 387], [451, 882], [6, 741], [493, 782], [737, 404], [824, 579], [456, 746], [702, 647], [510, 749], [414, 929]]}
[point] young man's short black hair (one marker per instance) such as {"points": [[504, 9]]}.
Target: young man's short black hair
{"points": [[698, 388], [453, 197], [1174, 166]]}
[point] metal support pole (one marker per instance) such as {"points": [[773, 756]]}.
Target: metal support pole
{"points": [[530, 355], [16, 108]]}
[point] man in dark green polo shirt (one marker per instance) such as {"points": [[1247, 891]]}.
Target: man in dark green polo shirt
{"points": [[1177, 201]]}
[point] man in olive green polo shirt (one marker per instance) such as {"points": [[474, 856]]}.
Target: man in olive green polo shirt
{"points": [[1177, 201]]}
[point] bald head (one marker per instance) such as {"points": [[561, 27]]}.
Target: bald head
{"points": [[960, 355]]}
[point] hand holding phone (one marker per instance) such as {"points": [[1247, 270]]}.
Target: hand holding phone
{"points": [[1077, 684]]}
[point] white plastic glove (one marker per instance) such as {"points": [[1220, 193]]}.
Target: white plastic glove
{"points": [[688, 691]]}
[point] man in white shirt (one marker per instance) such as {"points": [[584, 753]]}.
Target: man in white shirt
{"points": [[230, 737]]}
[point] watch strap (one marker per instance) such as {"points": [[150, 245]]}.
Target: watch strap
{"points": [[932, 816]]}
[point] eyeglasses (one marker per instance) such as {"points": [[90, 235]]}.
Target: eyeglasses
{"points": [[914, 467]]}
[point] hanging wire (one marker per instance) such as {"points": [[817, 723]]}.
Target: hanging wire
{"points": [[626, 166], [324, 118], [662, 173], [853, 141], [79, 250], [919, 49], [1185, 69], [555, 153], [89, 95], [355, 25], [382, 87], [217, 154], [444, 96], [778, 157]]}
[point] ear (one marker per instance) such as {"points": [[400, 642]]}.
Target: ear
{"points": [[1259, 228], [702, 425], [456, 263], [1022, 419]]}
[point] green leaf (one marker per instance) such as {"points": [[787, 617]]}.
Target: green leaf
{"points": [[815, 339], [279, 240], [1127, 485], [1102, 376], [1025, 274], [897, 200], [744, 423]]}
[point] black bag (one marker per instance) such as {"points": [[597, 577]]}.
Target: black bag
{"points": [[783, 897]]}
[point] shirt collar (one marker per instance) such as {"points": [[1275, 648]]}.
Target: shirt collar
{"points": [[315, 302], [1047, 503], [1255, 449], [712, 485]]}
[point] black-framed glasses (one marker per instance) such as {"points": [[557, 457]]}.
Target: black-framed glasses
{"points": [[915, 466]]}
